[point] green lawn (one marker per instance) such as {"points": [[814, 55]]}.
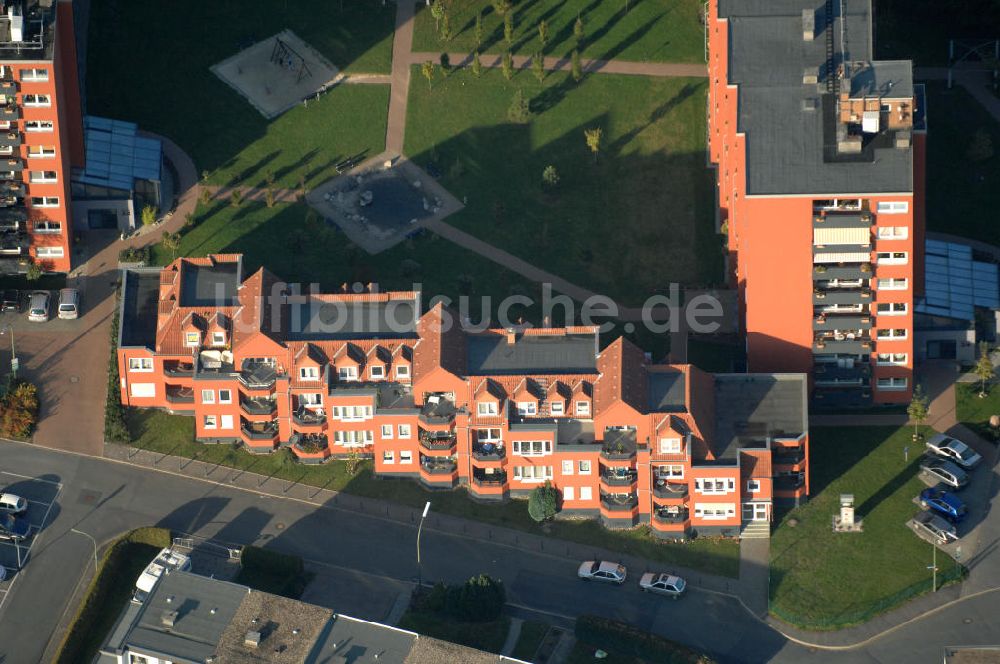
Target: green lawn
{"points": [[532, 633], [960, 192], [974, 412], [273, 572], [130, 78], [826, 580], [488, 636], [920, 29], [173, 434], [654, 30], [627, 224]]}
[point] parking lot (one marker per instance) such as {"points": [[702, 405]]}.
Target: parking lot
{"points": [[41, 495]]}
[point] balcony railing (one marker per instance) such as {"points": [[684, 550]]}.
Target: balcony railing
{"points": [[488, 452], [615, 503], [258, 406], [180, 395], [178, 369], [830, 321], [311, 443], [664, 516], [307, 418], [435, 466], [670, 489], [430, 440], [612, 478], [9, 113], [788, 483], [789, 458], [856, 346], [10, 138], [256, 375], [489, 479], [259, 430], [825, 272], [617, 453], [842, 296]]}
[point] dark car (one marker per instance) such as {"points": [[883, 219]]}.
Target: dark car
{"points": [[12, 528], [11, 300], [937, 499]]}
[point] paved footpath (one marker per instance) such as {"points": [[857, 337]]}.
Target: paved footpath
{"points": [[402, 43]]}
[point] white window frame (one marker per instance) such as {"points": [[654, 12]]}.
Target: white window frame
{"points": [[41, 152], [586, 493], [386, 430], [39, 126], [402, 371], [34, 75], [228, 399], [208, 396], [891, 333], [892, 207], [192, 339], [36, 100], [388, 456], [531, 474], [347, 373], [487, 435], [142, 390], [568, 493], [894, 308], [753, 486], [48, 227], [376, 371], [140, 364], [218, 338], [584, 467], [582, 408], [891, 359], [527, 448], [43, 177], [527, 408], [405, 456], [209, 422], [893, 284], [672, 471], [310, 399], [487, 408], [49, 252], [567, 466], [892, 257], [714, 486], [670, 446], [353, 438], [891, 384], [404, 431], [715, 511], [44, 201], [557, 407], [308, 373], [892, 232], [226, 422]]}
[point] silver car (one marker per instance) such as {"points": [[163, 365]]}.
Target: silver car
{"points": [[598, 570], [935, 527], [953, 450], [663, 584], [69, 303], [38, 307], [946, 472]]}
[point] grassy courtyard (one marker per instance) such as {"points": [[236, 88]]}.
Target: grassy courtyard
{"points": [[174, 435], [961, 189], [920, 29], [974, 412], [625, 224], [179, 97], [653, 30], [826, 580]]}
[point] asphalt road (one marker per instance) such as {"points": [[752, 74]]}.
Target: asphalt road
{"points": [[366, 563]]}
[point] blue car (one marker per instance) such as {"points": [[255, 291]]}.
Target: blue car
{"points": [[14, 529], [944, 503]]}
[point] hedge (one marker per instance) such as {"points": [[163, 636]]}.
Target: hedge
{"points": [[115, 428], [86, 625], [627, 640]]}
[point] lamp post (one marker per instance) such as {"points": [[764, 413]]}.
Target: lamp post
{"points": [[13, 352], [92, 541], [420, 578], [933, 568]]}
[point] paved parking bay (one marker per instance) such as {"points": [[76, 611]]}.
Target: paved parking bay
{"points": [[976, 496], [41, 495]]}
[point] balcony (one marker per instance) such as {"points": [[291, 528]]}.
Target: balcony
{"points": [[214, 363], [832, 375], [12, 189], [437, 440], [180, 395], [843, 219], [670, 516], [482, 478], [258, 406], [619, 502], [10, 176], [437, 466], [824, 272], [178, 369], [308, 418], [10, 113], [841, 296], [612, 476], [11, 164], [311, 443], [259, 430], [787, 456], [837, 399], [258, 375], [10, 139], [437, 410], [488, 452], [830, 322], [8, 87], [789, 483], [619, 445], [850, 343], [663, 488]]}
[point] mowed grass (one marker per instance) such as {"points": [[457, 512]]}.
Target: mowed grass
{"points": [[532, 633], [961, 192], [625, 224], [488, 636], [148, 62], [974, 412], [648, 30], [826, 580], [161, 432]]}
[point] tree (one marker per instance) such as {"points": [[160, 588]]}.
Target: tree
{"points": [[981, 147], [593, 137], [578, 30], [34, 272], [269, 196], [148, 215], [543, 32], [479, 30], [353, 464], [501, 7], [236, 198], [481, 599], [543, 503], [550, 176], [437, 11], [538, 66], [520, 108], [508, 28], [20, 410], [477, 67], [427, 69], [984, 367], [507, 65], [918, 410], [577, 68], [446, 34], [171, 242]]}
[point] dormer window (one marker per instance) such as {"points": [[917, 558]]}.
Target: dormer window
{"points": [[347, 373], [527, 408], [218, 338], [487, 408], [191, 338], [402, 371], [557, 408], [670, 445], [582, 408], [309, 373], [377, 372]]}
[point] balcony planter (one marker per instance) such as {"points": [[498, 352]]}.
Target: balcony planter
{"points": [[820, 344], [820, 269], [866, 294], [866, 267], [819, 295]]}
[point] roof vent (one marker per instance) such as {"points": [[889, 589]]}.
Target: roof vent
{"points": [[169, 618], [252, 639], [810, 76], [902, 140], [511, 336], [810, 104], [808, 24]]}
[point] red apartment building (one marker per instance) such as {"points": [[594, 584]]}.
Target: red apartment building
{"points": [[820, 152], [41, 132], [259, 364]]}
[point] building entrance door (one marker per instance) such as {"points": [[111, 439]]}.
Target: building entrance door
{"points": [[755, 511]]}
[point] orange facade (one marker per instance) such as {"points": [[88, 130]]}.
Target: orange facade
{"points": [[826, 276], [500, 412]]}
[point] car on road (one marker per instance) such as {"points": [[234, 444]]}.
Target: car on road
{"points": [[670, 585], [602, 570], [935, 527], [38, 307], [13, 528], [953, 450], [69, 304], [11, 300], [12, 504], [945, 472], [938, 499]]}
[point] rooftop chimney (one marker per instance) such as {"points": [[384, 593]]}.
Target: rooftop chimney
{"points": [[252, 639], [810, 76], [511, 336], [808, 24], [168, 618]]}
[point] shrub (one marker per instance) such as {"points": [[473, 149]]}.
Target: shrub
{"points": [[480, 599], [543, 503], [148, 215], [550, 176], [134, 255], [34, 272], [115, 425], [520, 108], [19, 410]]}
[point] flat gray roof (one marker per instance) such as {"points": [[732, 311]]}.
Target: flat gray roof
{"points": [[209, 285], [666, 391], [140, 297], [753, 407], [488, 354], [317, 320], [347, 639], [789, 148]]}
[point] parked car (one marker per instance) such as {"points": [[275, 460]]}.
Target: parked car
{"points": [[13, 528], [38, 307], [69, 304], [953, 450], [663, 584], [598, 570], [11, 300], [3, 573], [936, 527], [12, 504], [946, 472], [937, 499]]}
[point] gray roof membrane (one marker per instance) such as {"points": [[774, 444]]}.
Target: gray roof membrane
{"points": [[750, 408], [209, 285], [314, 319], [530, 354]]}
